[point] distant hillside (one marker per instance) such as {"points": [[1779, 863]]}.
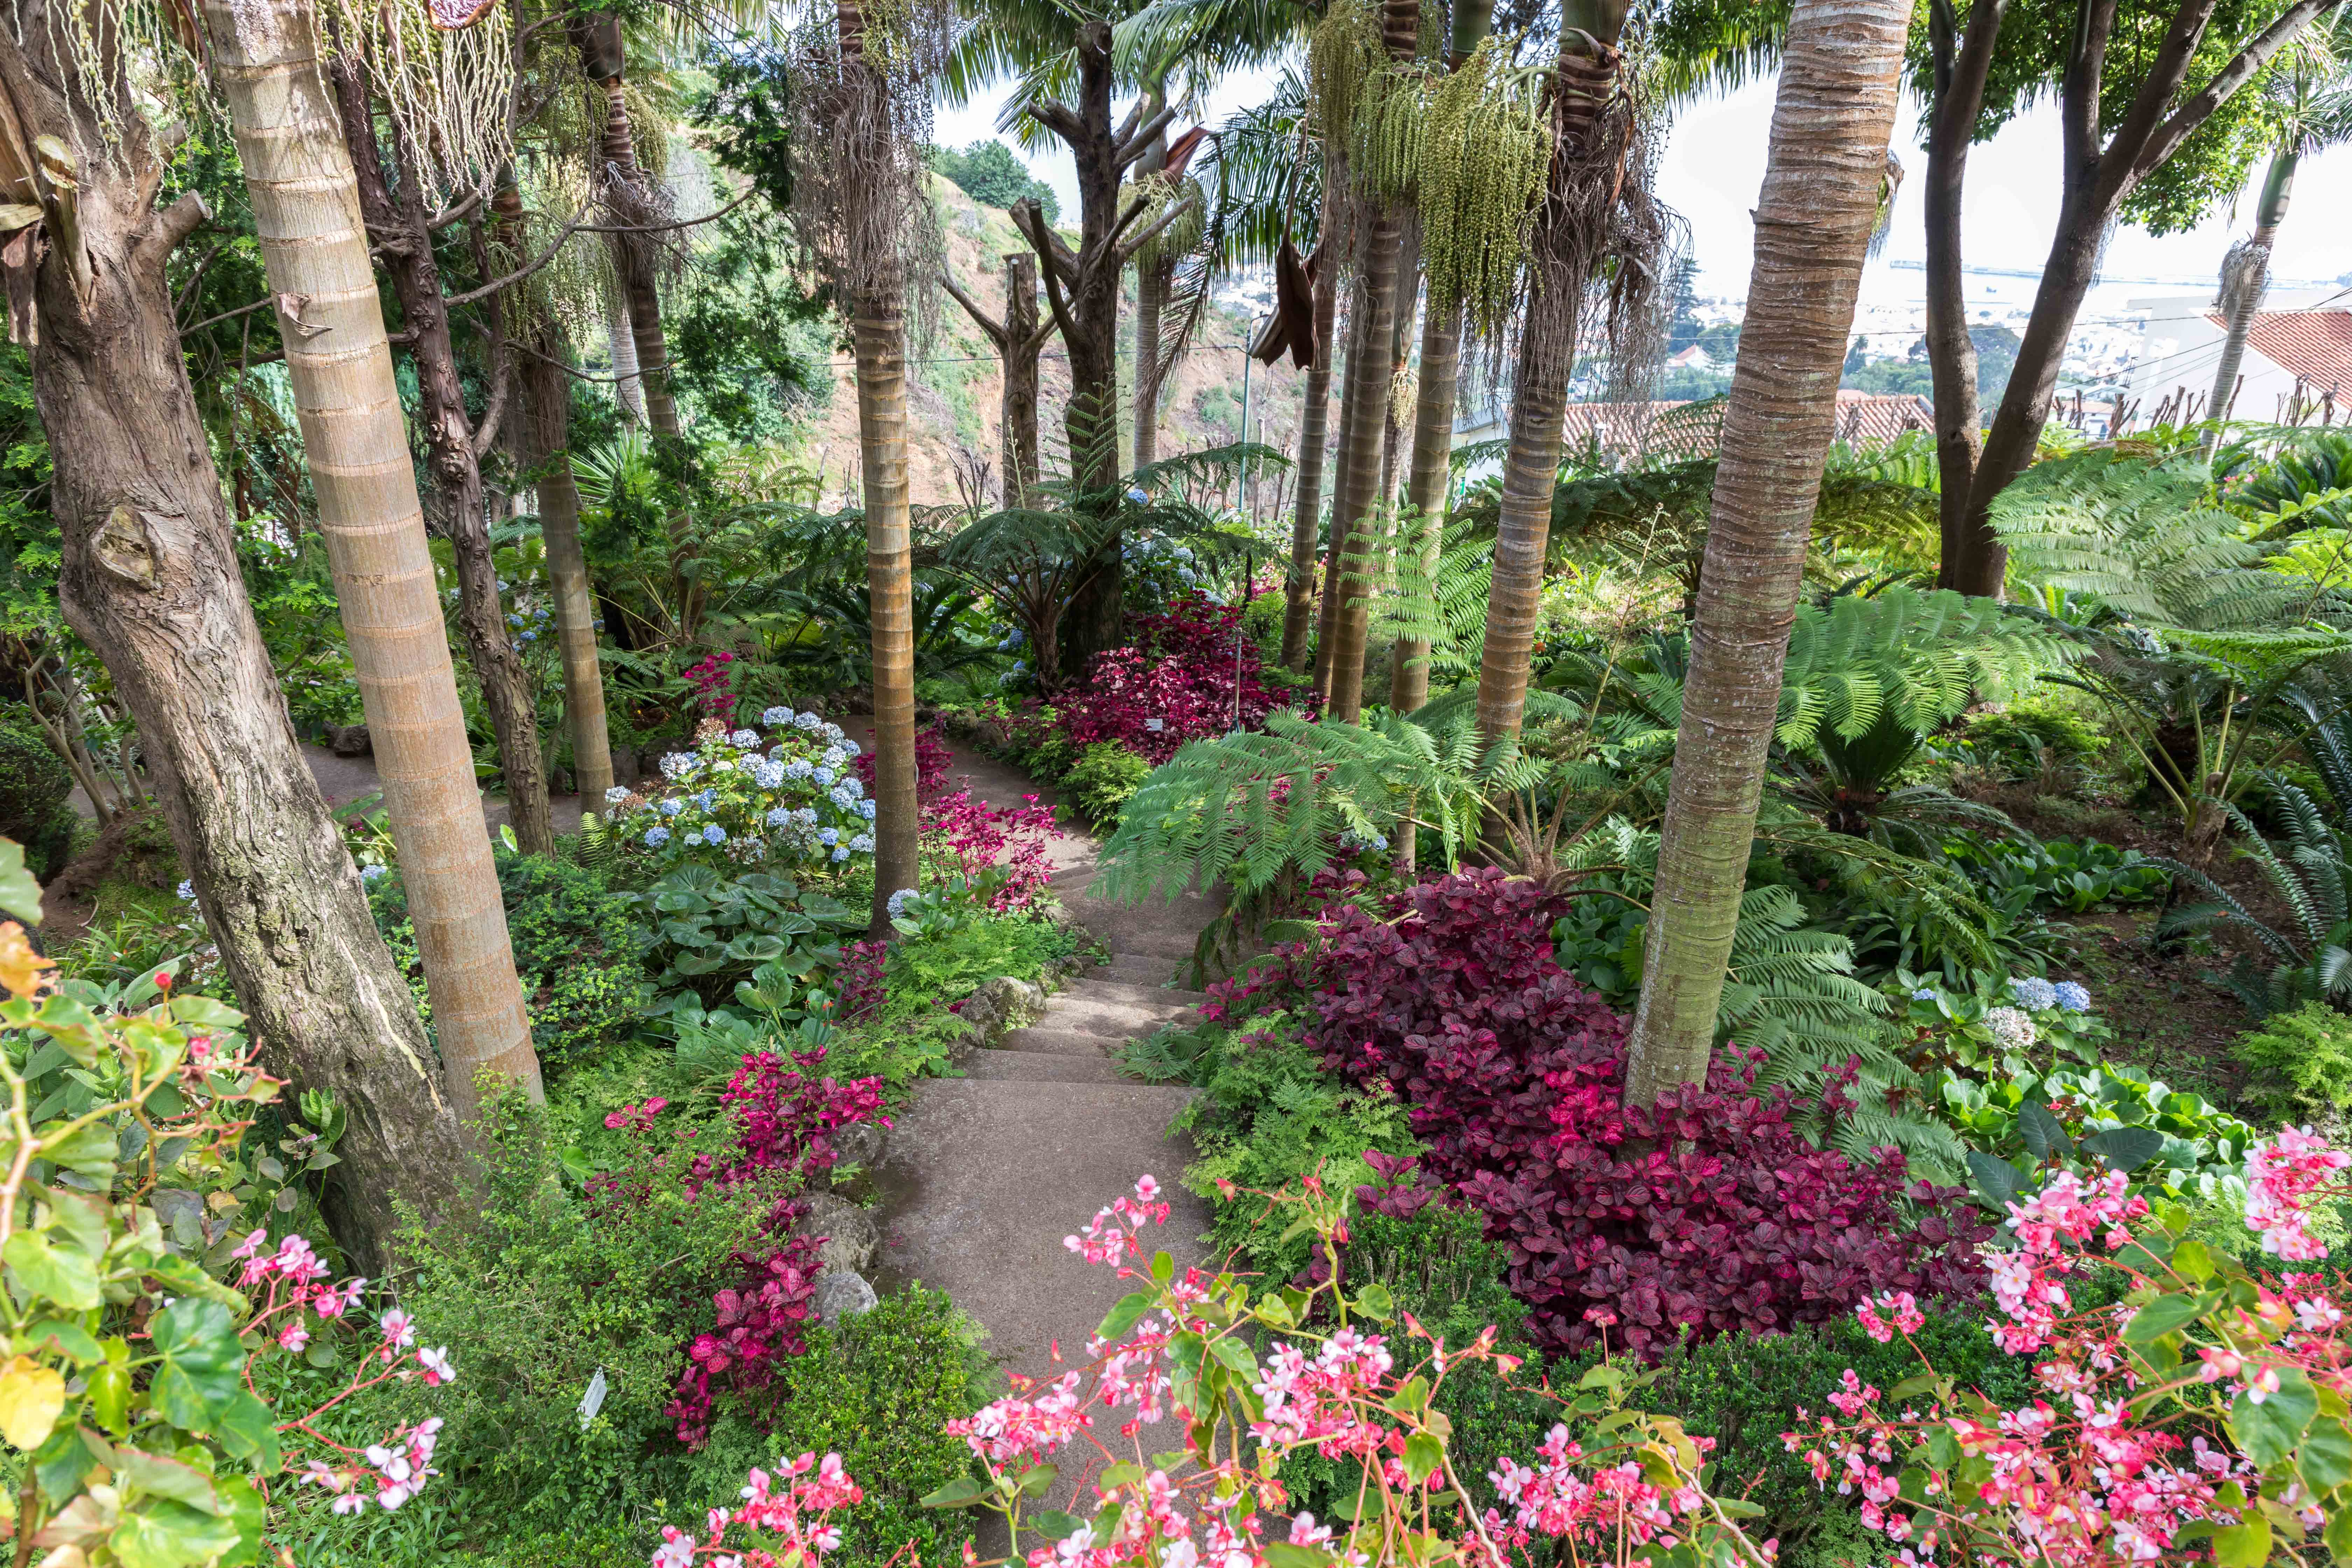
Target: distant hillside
{"points": [[956, 382]]}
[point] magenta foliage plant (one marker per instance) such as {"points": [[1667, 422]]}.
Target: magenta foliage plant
{"points": [[1707, 1213], [1178, 681]]}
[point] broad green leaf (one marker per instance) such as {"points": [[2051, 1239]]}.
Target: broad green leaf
{"points": [[171, 1535], [1423, 1453], [1996, 1181], [2043, 1134], [198, 1380], [1056, 1525], [2325, 1457], [248, 1432], [1037, 1478], [2267, 1432], [1283, 1554], [66, 1280], [1234, 1354], [2163, 1316], [204, 1013], [66, 1338], [153, 1475], [2246, 1545], [962, 1493], [2127, 1148], [1124, 1314], [20, 895], [1375, 1302]]}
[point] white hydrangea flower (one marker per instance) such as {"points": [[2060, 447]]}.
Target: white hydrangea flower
{"points": [[2011, 1029]]}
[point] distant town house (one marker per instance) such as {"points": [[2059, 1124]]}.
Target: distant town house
{"points": [[2297, 368]]}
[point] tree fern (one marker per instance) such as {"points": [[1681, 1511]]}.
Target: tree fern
{"points": [[1922, 656], [2143, 531], [1446, 610], [2312, 951]]}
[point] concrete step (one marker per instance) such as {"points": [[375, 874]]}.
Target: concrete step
{"points": [[1112, 1020], [1088, 988], [1143, 969], [1049, 1038], [1037, 1067]]}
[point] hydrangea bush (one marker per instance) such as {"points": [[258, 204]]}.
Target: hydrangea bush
{"points": [[791, 801]]}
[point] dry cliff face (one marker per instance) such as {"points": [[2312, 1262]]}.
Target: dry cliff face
{"points": [[955, 381]]}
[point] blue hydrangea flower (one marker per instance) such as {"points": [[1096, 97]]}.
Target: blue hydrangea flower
{"points": [[832, 732], [676, 764], [187, 892], [1186, 575], [705, 799], [656, 835], [768, 774], [849, 747], [863, 843], [781, 817], [866, 809], [829, 837], [2072, 996], [1183, 553], [367, 874], [616, 794], [2032, 992], [775, 716], [900, 900], [746, 739], [823, 777], [806, 722], [806, 817], [834, 757], [530, 636], [714, 833], [798, 768], [672, 806], [840, 855], [1924, 994]]}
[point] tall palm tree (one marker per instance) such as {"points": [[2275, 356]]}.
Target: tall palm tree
{"points": [[856, 196], [1433, 426], [1814, 219], [298, 174], [148, 577], [2314, 98], [1590, 125]]}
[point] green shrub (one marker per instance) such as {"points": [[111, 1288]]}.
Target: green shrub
{"points": [[34, 784], [547, 1288], [578, 949], [876, 1391], [1105, 774], [925, 971], [2299, 1064], [2028, 736]]}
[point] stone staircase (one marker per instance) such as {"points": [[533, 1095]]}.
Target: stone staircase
{"points": [[1082, 1025]]}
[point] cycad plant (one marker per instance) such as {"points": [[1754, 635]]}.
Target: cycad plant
{"points": [[2311, 952]]}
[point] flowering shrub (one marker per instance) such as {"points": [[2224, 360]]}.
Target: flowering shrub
{"points": [[1003, 848], [2003, 1025], [795, 805], [932, 760], [1335, 1380], [1178, 681], [2202, 1419], [129, 1383], [1708, 1211], [714, 687]]}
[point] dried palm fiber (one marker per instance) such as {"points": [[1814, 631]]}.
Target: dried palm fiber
{"points": [[444, 72], [1184, 233], [1483, 154], [858, 125]]}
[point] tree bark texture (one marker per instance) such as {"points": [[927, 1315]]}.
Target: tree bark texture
{"points": [[150, 580], [2278, 185], [1586, 88], [1325, 637], [398, 226], [1018, 338], [299, 175], [2100, 171], [1814, 220], [1299, 596], [1355, 509], [1428, 485], [1152, 277], [1962, 61]]}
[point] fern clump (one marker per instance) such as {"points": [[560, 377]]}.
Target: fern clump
{"points": [[2299, 1064]]}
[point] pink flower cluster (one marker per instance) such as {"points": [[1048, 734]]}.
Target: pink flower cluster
{"points": [[397, 1470], [1116, 1232], [1327, 1400], [2086, 1475], [1614, 1504], [968, 837], [2281, 1173], [793, 1512], [1902, 1316], [1023, 1427]]}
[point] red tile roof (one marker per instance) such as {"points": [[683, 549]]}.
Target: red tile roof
{"points": [[2313, 345]]}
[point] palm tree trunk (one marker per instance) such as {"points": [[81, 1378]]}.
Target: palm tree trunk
{"points": [[1018, 410], [305, 200], [1326, 639], [627, 390], [1588, 73], [1830, 130], [1427, 486], [1299, 596], [2244, 292], [149, 578], [1355, 520], [878, 336], [398, 227]]}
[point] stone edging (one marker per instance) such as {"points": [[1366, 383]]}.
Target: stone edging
{"points": [[998, 1007]]}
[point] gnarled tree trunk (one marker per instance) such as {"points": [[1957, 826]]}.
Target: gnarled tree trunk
{"points": [[1962, 65], [150, 580], [1813, 222], [299, 175]]}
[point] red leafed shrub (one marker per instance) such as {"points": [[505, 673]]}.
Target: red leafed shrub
{"points": [[714, 687], [932, 760], [785, 1116], [1175, 683], [1709, 1211]]}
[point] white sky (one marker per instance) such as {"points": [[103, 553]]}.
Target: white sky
{"points": [[1714, 164]]}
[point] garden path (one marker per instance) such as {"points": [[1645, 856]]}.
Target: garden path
{"points": [[986, 1174]]}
